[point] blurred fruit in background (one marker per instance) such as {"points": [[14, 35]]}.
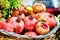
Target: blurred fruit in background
{"points": [[54, 11], [29, 9], [39, 7]]}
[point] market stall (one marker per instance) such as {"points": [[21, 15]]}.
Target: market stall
{"points": [[29, 20]]}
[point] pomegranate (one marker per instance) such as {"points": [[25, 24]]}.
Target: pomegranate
{"points": [[49, 18], [42, 28], [17, 23], [38, 7], [15, 12], [21, 15], [22, 9], [8, 27], [30, 33], [30, 23], [1, 24], [38, 15]]}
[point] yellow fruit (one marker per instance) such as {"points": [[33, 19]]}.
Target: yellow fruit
{"points": [[29, 9]]}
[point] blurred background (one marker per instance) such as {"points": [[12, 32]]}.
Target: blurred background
{"points": [[48, 3]]}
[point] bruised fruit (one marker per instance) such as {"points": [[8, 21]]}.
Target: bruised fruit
{"points": [[39, 7], [30, 33], [30, 23], [42, 28], [17, 23]]}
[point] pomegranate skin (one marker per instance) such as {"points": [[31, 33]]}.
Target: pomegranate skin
{"points": [[48, 17], [44, 29], [30, 33], [30, 23], [18, 26]]}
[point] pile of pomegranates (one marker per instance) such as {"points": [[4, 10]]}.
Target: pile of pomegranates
{"points": [[29, 21]]}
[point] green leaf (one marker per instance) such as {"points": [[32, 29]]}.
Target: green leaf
{"points": [[4, 13], [8, 6]]}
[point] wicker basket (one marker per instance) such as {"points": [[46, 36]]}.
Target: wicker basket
{"points": [[34, 37]]}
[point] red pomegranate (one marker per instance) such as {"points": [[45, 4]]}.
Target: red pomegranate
{"points": [[42, 28], [30, 33], [8, 27], [30, 23], [1, 24], [49, 18], [17, 23], [22, 9]]}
